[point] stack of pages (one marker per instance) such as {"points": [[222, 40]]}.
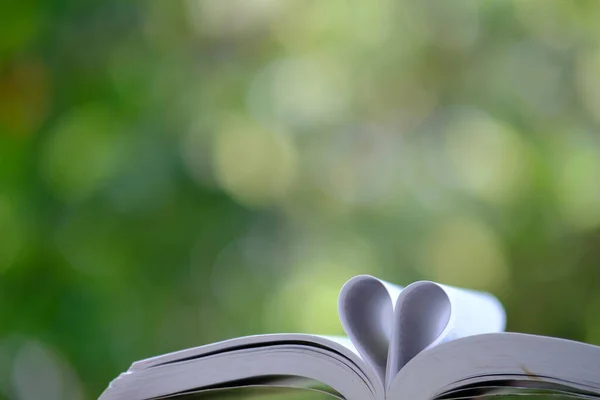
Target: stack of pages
{"points": [[421, 342]]}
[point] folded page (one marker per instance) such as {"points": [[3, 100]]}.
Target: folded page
{"points": [[428, 314], [366, 308], [389, 325]]}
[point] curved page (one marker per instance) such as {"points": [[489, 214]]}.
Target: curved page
{"points": [[428, 314], [308, 356], [256, 392], [499, 358], [366, 307]]}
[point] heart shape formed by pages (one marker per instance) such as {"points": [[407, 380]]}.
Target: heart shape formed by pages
{"points": [[366, 309], [389, 325]]}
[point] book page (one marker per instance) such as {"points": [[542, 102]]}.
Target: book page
{"points": [[308, 358], [278, 391], [428, 314], [366, 306], [508, 360], [340, 344], [389, 325]]}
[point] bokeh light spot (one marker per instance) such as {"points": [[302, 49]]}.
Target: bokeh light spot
{"points": [[465, 252], [361, 166], [36, 374], [307, 300], [299, 92], [488, 158], [255, 164], [233, 17], [83, 152], [577, 185]]}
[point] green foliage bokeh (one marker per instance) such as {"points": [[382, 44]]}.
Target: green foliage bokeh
{"points": [[176, 173]]}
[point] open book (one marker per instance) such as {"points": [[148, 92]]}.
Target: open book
{"points": [[425, 341]]}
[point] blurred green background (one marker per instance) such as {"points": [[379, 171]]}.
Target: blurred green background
{"points": [[176, 173]]}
